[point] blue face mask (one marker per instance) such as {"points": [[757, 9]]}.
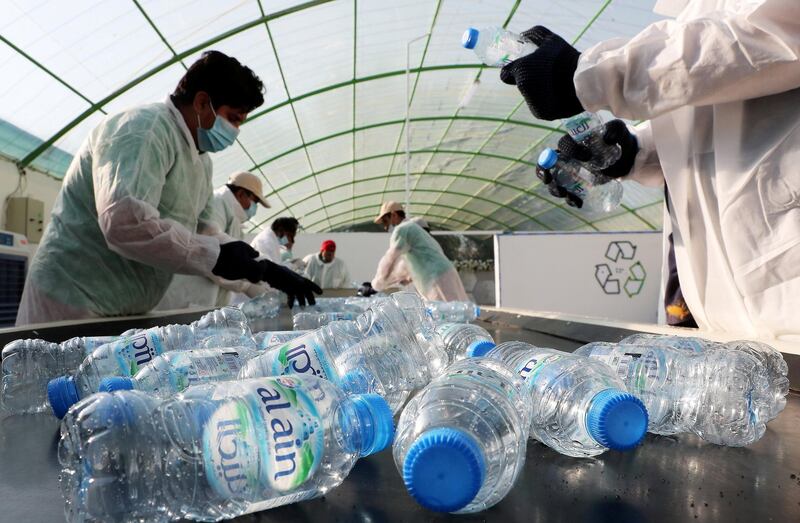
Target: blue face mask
{"points": [[221, 135], [284, 240], [251, 211]]}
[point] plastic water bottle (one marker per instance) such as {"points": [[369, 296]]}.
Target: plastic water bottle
{"points": [[599, 193], [496, 46], [717, 395], [226, 327], [215, 451], [775, 366], [453, 311], [266, 339], [172, 372], [579, 407], [315, 320], [391, 349], [460, 340], [348, 303], [587, 129], [461, 441], [262, 307]]}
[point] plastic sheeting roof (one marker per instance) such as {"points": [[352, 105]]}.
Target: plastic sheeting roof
{"points": [[330, 139]]}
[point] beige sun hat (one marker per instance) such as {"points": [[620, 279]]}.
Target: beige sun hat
{"points": [[386, 208], [251, 182]]}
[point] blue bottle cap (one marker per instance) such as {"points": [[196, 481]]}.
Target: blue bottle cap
{"points": [[617, 420], [62, 394], [477, 312], [115, 383], [547, 158], [444, 469], [477, 349], [470, 38], [375, 419]]}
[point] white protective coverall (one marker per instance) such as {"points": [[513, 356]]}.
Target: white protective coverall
{"points": [[720, 86], [268, 245], [225, 222], [124, 220], [333, 275], [433, 275]]}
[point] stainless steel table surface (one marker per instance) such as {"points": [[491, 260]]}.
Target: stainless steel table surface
{"points": [[668, 479]]}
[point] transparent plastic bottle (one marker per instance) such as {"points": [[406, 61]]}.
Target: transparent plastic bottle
{"points": [[315, 320], [340, 304], [390, 349], [453, 311], [267, 339], [588, 129], [599, 193], [775, 366], [173, 372], [226, 327], [262, 307], [579, 407], [215, 451], [461, 340], [461, 441], [717, 395], [496, 46]]}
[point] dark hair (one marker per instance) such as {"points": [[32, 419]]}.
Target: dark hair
{"points": [[235, 188], [401, 213], [226, 81], [286, 223]]}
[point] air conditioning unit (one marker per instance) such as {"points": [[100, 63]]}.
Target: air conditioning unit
{"points": [[14, 256]]}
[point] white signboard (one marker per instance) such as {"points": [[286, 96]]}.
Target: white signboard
{"points": [[608, 275]]}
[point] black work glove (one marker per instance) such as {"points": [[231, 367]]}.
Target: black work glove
{"points": [[286, 280], [366, 290], [237, 261], [544, 77], [557, 190], [616, 133]]}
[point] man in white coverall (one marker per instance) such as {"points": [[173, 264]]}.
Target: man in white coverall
{"points": [[414, 256], [719, 90], [325, 269]]}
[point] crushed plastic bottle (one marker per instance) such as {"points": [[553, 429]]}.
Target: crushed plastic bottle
{"points": [[718, 395], [588, 129], [772, 360], [315, 320], [461, 441], [461, 340], [496, 46], [579, 407], [175, 371], [215, 451], [390, 349], [599, 193], [226, 327], [262, 307], [453, 311], [266, 339]]}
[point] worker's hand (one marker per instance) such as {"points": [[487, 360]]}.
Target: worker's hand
{"points": [[544, 77], [366, 290], [237, 261], [557, 190], [616, 133], [286, 280]]}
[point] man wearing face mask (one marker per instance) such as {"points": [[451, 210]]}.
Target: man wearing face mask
{"points": [[234, 203], [280, 234], [127, 215]]}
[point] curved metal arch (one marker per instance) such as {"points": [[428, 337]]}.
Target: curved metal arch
{"points": [[160, 67], [375, 206], [338, 134], [363, 208]]}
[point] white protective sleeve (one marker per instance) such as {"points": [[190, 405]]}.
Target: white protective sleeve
{"points": [[646, 168], [747, 53]]}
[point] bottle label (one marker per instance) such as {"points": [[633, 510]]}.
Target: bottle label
{"points": [[277, 337], [201, 366], [268, 439], [533, 366], [581, 124], [134, 351], [302, 355]]}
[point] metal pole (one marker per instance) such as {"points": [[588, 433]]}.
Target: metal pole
{"points": [[408, 118]]}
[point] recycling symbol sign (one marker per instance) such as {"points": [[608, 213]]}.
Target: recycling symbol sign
{"points": [[622, 272]]}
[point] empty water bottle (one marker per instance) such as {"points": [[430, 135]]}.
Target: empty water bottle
{"points": [[496, 46], [460, 340], [340, 304], [390, 349], [599, 193], [453, 311], [225, 327], [215, 451], [175, 371], [461, 441], [262, 307], [717, 395], [315, 320], [775, 366], [588, 129], [579, 407], [267, 339]]}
